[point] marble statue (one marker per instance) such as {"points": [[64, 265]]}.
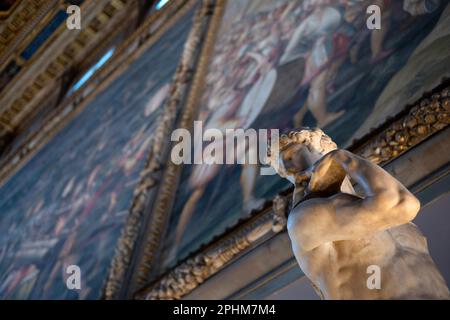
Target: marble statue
{"points": [[353, 246]]}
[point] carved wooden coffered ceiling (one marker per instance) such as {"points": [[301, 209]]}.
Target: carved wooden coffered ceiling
{"points": [[39, 55]]}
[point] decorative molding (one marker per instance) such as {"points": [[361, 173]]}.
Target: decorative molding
{"points": [[425, 118], [145, 36], [165, 194], [121, 276], [23, 17], [194, 271]]}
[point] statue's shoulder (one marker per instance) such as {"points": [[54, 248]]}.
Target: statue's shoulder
{"points": [[309, 207]]}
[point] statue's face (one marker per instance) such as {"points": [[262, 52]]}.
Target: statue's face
{"points": [[295, 160]]}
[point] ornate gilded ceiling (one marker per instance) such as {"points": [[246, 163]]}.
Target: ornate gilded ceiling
{"points": [[37, 50]]}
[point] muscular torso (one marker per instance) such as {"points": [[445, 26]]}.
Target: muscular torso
{"points": [[339, 269]]}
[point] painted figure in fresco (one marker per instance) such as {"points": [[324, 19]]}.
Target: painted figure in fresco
{"points": [[237, 105], [355, 10], [104, 179], [331, 31], [251, 53], [337, 235], [321, 40], [223, 118]]}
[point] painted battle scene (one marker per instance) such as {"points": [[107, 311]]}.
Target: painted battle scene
{"points": [[67, 205], [286, 64]]}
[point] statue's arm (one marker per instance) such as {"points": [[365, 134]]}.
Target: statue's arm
{"points": [[294, 42], [387, 203]]}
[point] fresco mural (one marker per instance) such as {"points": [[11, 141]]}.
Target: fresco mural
{"points": [[284, 64], [67, 205]]}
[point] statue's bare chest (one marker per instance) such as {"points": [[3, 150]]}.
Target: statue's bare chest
{"points": [[380, 249]]}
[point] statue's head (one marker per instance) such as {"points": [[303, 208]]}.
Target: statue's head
{"points": [[298, 151]]}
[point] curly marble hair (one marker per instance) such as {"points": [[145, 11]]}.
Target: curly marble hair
{"points": [[311, 138]]}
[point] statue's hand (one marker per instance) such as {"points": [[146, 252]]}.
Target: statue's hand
{"points": [[327, 174]]}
